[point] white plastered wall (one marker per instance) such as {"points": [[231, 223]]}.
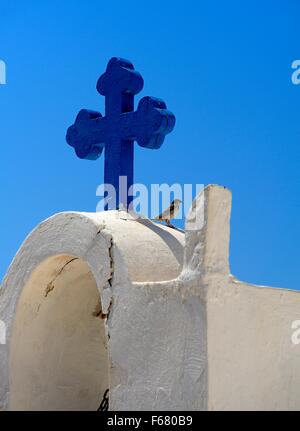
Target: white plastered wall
{"points": [[181, 333], [252, 361]]}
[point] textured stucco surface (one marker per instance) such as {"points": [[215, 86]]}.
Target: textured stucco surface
{"points": [[253, 363], [118, 250], [179, 332], [58, 351]]}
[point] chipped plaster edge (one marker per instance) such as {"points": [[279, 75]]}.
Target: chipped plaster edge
{"points": [[71, 233]]}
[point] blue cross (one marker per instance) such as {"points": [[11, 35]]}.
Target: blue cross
{"points": [[121, 126]]}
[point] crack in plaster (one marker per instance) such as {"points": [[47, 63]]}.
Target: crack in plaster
{"points": [[50, 285], [98, 312]]}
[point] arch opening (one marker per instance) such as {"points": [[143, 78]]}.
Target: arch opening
{"points": [[58, 350]]}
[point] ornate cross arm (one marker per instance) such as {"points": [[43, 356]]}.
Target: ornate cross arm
{"points": [[148, 126]]}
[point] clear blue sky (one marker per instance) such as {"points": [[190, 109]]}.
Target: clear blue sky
{"points": [[224, 69]]}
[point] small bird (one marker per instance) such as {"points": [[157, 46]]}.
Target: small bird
{"points": [[170, 212]]}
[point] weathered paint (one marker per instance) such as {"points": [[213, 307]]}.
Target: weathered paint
{"points": [[121, 126]]}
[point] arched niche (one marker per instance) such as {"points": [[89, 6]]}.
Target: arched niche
{"points": [[69, 297], [58, 353]]}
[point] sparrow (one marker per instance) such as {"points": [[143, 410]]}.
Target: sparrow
{"points": [[170, 212]]}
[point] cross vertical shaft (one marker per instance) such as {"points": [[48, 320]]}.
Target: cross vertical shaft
{"points": [[119, 152], [116, 132]]}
